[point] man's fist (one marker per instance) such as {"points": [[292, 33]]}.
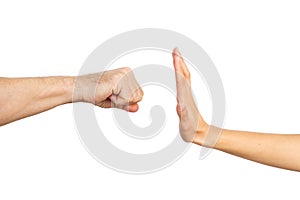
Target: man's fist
{"points": [[110, 89]]}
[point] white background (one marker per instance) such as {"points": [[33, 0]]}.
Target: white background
{"points": [[255, 46]]}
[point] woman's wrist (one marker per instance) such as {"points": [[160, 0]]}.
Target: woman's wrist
{"points": [[201, 133], [208, 136]]}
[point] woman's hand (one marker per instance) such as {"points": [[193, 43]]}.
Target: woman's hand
{"points": [[192, 126]]}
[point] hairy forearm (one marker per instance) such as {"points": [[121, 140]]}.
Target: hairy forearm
{"points": [[23, 97], [278, 150]]}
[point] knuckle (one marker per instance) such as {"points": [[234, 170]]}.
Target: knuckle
{"points": [[141, 92], [125, 69], [136, 98], [137, 95]]}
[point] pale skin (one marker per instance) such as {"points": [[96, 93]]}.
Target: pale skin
{"points": [[278, 150], [24, 97]]}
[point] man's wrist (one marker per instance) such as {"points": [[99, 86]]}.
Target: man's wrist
{"points": [[68, 87], [62, 88], [85, 87]]}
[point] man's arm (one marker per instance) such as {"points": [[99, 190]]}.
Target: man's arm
{"points": [[23, 97], [278, 150]]}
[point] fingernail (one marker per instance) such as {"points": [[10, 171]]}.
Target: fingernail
{"points": [[177, 51], [177, 55]]}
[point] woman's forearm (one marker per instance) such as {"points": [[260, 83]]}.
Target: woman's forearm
{"points": [[278, 150], [23, 97]]}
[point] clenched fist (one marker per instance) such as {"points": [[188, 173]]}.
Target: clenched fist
{"points": [[110, 89]]}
